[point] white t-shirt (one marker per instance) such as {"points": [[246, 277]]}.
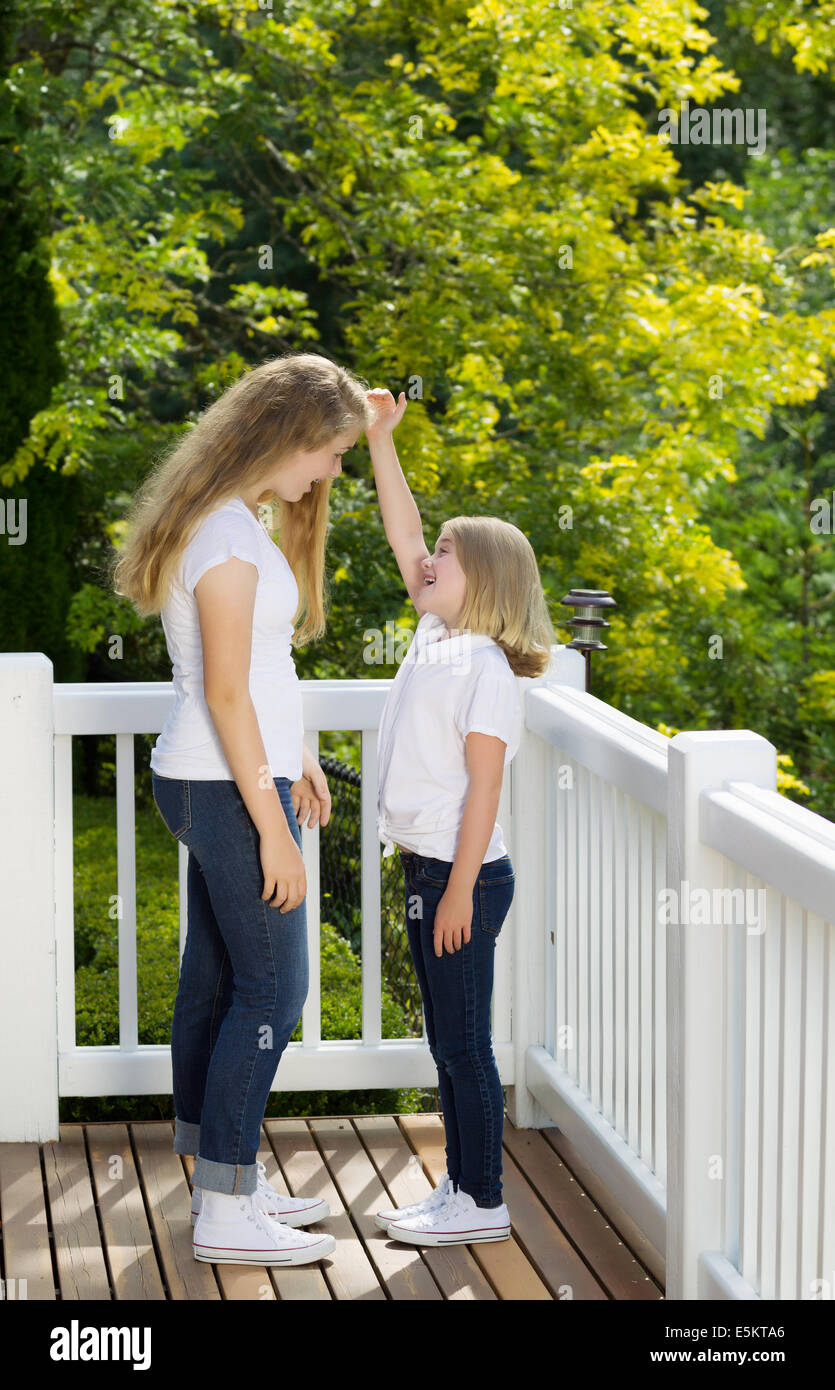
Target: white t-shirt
{"points": [[188, 745], [446, 688]]}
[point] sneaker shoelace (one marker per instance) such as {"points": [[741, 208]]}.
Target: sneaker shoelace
{"points": [[436, 1199], [269, 1193], [443, 1209], [274, 1229], [439, 1198]]}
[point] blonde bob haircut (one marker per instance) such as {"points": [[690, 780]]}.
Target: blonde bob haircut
{"points": [[504, 595], [293, 403]]}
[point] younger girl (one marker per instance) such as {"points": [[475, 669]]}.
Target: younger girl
{"points": [[450, 725], [232, 778]]}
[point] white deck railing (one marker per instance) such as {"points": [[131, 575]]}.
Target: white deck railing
{"points": [[313, 1063], [686, 1060], [600, 1068], [778, 1026]]}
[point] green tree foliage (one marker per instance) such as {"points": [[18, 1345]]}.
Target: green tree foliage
{"points": [[37, 576], [476, 203]]}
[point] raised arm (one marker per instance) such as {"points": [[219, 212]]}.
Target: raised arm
{"points": [[401, 518]]}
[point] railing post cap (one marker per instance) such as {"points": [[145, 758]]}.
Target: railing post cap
{"points": [[699, 738], [25, 661]]}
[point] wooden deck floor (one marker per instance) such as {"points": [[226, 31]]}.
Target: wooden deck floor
{"points": [[104, 1214]]}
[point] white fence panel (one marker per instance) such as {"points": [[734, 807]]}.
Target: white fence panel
{"points": [[779, 1218], [597, 1069]]}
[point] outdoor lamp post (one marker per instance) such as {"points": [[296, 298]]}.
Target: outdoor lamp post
{"points": [[589, 605]]}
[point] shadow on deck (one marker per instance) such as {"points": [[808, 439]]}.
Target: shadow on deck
{"points": [[104, 1214]]}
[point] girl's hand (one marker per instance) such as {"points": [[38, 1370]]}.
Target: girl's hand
{"points": [[309, 794], [453, 918], [387, 414], [285, 881]]}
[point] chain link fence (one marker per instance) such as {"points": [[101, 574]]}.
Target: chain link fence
{"points": [[341, 890]]}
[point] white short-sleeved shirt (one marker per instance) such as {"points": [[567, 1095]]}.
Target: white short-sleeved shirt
{"points": [[188, 745], [446, 688]]}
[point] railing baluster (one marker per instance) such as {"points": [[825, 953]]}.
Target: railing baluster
{"points": [[582, 927], [370, 852], [559, 993], [814, 1179], [633, 964], [64, 893], [772, 1104], [619, 925], [554, 880], [572, 1054], [595, 957], [607, 955], [793, 1004], [659, 1002], [646, 938], [827, 1224], [734, 1025], [126, 889], [752, 1061], [312, 1008]]}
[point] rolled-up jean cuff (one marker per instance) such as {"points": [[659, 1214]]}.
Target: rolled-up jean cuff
{"points": [[237, 1179], [186, 1137]]}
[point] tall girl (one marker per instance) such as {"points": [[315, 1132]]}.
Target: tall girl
{"points": [[232, 778], [450, 725]]}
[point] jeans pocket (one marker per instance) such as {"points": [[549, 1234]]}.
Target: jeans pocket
{"points": [[494, 898], [173, 801], [434, 871]]}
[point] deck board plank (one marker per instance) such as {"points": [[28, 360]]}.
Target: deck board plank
{"points": [[585, 1225], [348, 1271], [25, 1224], [560, 1266], [300, 1282], [455, 1271], [640, 1245], [82, 1272], [127, 1236], [399, 1267], [169, 1201], [504, 1263]]}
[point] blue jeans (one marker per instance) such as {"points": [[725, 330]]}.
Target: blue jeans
{"points": [[243, 980], [457, 989]]}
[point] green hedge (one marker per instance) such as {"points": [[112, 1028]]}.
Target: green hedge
{"points": [[97, 990]]}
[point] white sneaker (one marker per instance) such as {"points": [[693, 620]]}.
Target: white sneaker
{"points": [[290, 1211], [458, 1222], [235, 1231], [435, 1199]]}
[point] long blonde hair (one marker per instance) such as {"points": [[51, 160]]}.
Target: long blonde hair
{"points": [[504, 595], [296, 402]]}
